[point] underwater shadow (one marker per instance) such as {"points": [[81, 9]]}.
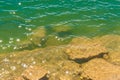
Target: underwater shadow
{"points": [[84, 60]]}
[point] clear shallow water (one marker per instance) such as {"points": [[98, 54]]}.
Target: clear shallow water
{"points": [[86, 17]]}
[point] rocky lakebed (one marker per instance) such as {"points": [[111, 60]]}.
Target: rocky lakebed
{"points": [[78, 58]]}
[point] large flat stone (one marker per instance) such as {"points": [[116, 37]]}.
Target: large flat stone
{"points": [[99, 69], [84, 48]]}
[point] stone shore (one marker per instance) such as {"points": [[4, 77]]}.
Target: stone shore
{"points": [[96, 58]]}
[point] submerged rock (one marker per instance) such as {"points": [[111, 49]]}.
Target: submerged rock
{"points": [[38, 35], [34, 40], [99, 69], [18, 78], [56, 41], [113, 57], [62, 28], [111, 42], [69, 70], [34, 73]]}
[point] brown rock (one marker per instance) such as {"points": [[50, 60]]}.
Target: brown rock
{"points": [[80, 40], [111, 42], [34, 73], [114, 57], [99, 69], [68, 70], [18, 78], [84, 48]]}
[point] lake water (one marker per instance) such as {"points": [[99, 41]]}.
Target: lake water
{"points": [[86, 17]]}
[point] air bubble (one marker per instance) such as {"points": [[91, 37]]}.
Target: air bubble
{"points": [[1, 41], [30, 74], [56, 37], [39, 45], [13, 68], [24, 65], [66, 72], [29, 29], [19, 3], [34, 62], [11, 39], [3, 48], [5, 60], [19, 26], [10, 42], [12, 12], [14, 47], [18, 40]]}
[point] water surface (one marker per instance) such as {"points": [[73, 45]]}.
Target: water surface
{"points": [[18, 18]]}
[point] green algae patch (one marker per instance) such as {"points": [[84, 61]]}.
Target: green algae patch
{"points": [[37, 35], [39, 39], [34, 40], [62, 28]]}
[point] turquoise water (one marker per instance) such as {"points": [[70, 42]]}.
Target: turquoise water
{"points": [[86, 17]]}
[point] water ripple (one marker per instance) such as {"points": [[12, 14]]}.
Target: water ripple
{"points": [[22, 16]]}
